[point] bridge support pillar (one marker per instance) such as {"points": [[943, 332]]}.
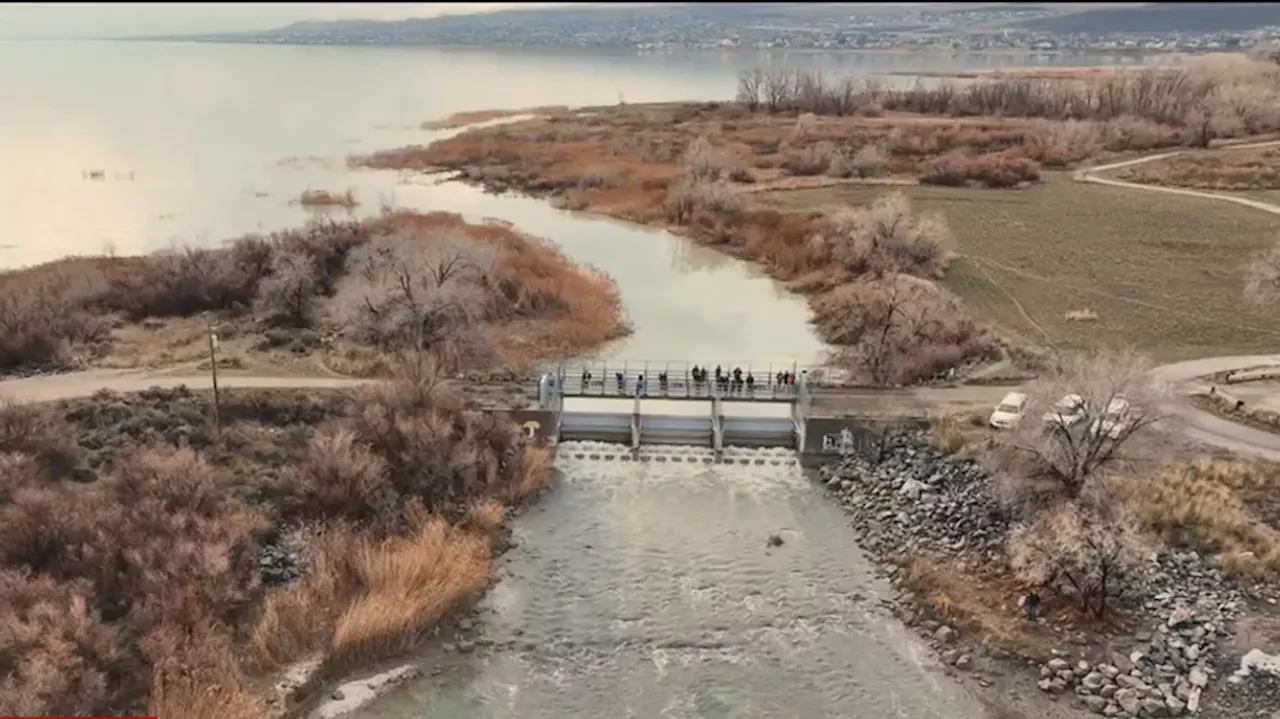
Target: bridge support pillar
{"points": [[717, 428], [635, 428]]}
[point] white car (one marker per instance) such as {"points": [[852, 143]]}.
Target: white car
{"points": [[1066, 412], [1009, 411], [1115, 422]]}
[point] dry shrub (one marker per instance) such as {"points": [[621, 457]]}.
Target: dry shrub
{"points": [[948, 434], [187, 282], [706, 162], [959, 168], [812, 160], [475, 277], [1086, 552], [887, 237], [690, 196], [1205, 505], [324, 198], [1082, 315], [45, 310], [484, 517], [289, 294], [868, 161], [407, 583], [532, 475], [57, 657], [1226, 169], [340, 477], [897, 329], [1058, 144]]}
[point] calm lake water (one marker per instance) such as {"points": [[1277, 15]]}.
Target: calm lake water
{"points": [[200, 143], [636, 590]]}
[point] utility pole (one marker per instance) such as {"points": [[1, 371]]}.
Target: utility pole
{"points": [[213, 371]]}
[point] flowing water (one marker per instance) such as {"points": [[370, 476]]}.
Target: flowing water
{"points": [[637, 589], [649, 590]]}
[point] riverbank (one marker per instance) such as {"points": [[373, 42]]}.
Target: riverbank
{"points": [[1179, 634], [711, 171], [325, 298], [303, 529]]}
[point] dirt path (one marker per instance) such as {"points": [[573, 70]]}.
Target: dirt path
{"points": [[1090, 175]]}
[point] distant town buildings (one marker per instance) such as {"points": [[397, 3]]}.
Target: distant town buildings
{"points": [[989, 29]]}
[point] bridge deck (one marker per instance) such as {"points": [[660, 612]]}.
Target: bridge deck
{"points": [[677, 408], [679, 389]]}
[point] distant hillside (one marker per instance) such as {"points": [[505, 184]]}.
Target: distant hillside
{"points": [[1162, 18]]}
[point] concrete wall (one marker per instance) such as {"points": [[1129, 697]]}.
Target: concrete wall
{"points": [[823, 435]]}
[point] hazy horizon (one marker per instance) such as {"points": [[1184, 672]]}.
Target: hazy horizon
{"points": [[89, 20]]}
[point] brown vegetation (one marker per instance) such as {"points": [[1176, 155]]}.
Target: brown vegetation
{"points": [[130, 567], [324, 198], [474, 117], [1221, 169], [698, 166], [1211, 505], [529, 300]]}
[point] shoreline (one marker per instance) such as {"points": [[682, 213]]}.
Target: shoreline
{"points": [[928, 522]]}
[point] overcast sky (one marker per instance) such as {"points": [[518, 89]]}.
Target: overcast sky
{"points": [[72, 20]]}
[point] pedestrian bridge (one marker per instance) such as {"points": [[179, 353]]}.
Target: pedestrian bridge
{"points": [[639, 404]]}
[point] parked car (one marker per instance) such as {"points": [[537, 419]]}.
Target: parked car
{"points": [[1009, 411], [1116, 420], [1066, 412]]}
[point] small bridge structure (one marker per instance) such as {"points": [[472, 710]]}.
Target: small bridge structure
{"points": [[672, 403]]}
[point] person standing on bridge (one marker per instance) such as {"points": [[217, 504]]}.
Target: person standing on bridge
{"points": [[586, 380], [751, 384], [640, 386], [622, 382]]}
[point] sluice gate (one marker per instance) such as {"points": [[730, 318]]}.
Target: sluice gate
{"points": [[701, 416]]}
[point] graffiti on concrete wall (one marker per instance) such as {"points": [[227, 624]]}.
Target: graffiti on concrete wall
{"points": [[838, 443]]}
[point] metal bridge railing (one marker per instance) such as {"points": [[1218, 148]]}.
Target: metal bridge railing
{"points": [[678, 379]]}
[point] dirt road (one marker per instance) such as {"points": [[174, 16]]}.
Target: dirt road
{"points": [[1090, 175]]}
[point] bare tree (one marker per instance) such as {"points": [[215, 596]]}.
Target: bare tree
{"points": [[887, 237], [1078, 421], [897, 329], [750, 88], [415, 292], [288, 294], [1262, 277], [1086, 552]]}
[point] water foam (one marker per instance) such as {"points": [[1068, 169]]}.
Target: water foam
{"points": [[744, 468]]}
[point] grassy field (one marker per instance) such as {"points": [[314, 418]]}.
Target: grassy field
{"points": [[1160, 271]]}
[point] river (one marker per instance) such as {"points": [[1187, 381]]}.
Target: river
{"points": [[635, 590]]}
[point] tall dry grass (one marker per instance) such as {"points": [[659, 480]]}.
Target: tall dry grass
{"points": [[296, 620], [1207, 505], [406, 584], [175, 696], [532, 475]]}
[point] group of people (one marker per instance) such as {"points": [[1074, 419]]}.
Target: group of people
{"points": [[736, 381]]}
